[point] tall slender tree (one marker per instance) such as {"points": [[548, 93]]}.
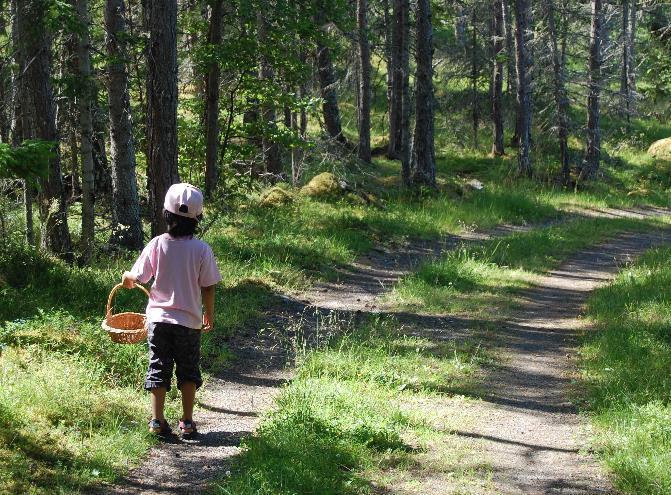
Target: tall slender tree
{"points": [[523, 70], [498, 52], [127, 230], [399, 66], [423, 164], [212, 91], [269, 146], [35, 44], [161, 105], [364, 81], [590, 164], [559, 90], [84, 97], [327, 79]]}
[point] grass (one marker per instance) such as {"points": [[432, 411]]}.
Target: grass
{"points": [[625, 364], [479, 280], [371, 407]]}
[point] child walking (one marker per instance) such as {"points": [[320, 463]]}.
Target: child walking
{"points": [[185, 274]]}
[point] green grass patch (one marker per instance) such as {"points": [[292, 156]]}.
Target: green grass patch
{"points": [[343, 425], [625, 364], [478, 278]]}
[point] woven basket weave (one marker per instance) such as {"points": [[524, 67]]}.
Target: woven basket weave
{"points": [[125, 328]]}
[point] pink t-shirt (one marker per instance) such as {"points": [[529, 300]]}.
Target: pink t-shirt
{"points": [[180, 266]]}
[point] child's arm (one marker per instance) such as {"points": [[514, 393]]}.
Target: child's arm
{"points": [[128, 280], [208, 302]]}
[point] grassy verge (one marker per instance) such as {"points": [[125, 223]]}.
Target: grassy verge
{"points": [[481, 279], [371, 408], [626, 363]]}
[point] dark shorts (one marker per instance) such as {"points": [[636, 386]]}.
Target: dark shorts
{"points": [[172, 346]]}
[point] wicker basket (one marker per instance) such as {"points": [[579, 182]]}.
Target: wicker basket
{"points": [[125, 328]]}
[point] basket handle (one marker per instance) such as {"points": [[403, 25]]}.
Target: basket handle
{"points": [[108, 312]]}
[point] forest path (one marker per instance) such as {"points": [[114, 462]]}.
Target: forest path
{"points": [[231, 403], [526, 425]]}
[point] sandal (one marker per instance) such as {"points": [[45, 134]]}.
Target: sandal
{"points": [[187, 427], [159, 428]]}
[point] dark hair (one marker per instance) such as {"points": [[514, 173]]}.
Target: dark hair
{"points": [[179, 226]]}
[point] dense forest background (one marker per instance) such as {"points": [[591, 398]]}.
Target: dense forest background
{"points": [[121, 99]]}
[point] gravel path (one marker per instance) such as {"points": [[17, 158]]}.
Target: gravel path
{"points": [[529, 429], [231, 403]]}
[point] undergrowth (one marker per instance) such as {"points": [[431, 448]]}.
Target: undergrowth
{"points": [[481, 279], [345, 426], [626, 363]]}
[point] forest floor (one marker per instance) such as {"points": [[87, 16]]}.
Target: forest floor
{"points": [[523, 423]]}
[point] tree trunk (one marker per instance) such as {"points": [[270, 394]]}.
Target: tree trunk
{"points": [[423, 164], [101, 166], [327, 83], [269, 147], [510, 47], [364, 81], [400, 79], [212, 99], [628, 78], [36, 73], [161, 106], [590, 164], [475, 104], [560, 97], [86, 130], [523, 66], [387, 52], [127, 229], [498, 44]]}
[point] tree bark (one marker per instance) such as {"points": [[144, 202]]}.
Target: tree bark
{"points": [[498, 44], [269, 147], [423, 164], [400, 62], [36, 73], [510, 47], [475, 103], [560, 96], [387, 53], [590, 164], [364, 81], [214, 35], [161, 106], [523, 66], [127, 229], [327, 82], [86, 131], [628, 77]]}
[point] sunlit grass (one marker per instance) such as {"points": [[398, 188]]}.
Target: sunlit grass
{"points": [[625, 363]]}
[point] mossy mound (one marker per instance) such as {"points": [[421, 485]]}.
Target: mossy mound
{"points": [[275, 196], [324, 186], [661, 149]]}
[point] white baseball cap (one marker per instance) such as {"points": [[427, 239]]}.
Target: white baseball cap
{"points": [[184, 200]]}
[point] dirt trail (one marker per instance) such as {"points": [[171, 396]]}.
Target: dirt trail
{"points": [[533, 437], [231, 403]]}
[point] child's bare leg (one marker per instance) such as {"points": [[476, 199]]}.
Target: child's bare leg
{"points": [[158, 403], [188, 390]]}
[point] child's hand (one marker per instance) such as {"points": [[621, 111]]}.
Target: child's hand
{"points": [[208, 323], [128, 280]]}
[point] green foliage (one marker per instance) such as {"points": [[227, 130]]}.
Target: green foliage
{"points": [[28, 161], [625, 364]]}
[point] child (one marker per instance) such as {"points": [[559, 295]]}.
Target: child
{"points": [[185, 274]]}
